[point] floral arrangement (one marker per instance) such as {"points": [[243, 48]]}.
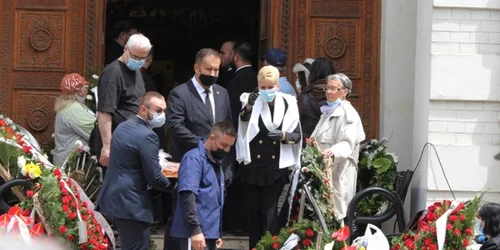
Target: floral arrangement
{"points": [[91, 98], [59, 208], [459, 227], [314, 173], [376, 168]]}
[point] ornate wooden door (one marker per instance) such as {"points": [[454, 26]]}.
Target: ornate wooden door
{"points": [[345, 31], [42, 40]]}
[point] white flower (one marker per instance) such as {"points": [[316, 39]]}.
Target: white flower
{"points": [[79, 143], [95, 76], [21, 162], [94, 158], [8, 120], [45, 156], [23, 171], [86, 148], [89, 97], [1, 116]]}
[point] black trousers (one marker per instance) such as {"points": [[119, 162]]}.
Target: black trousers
{"points": [[134, 235], [182, 244], [262, 215]]}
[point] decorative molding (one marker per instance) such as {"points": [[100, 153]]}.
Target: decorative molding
{"points": [[7, 15], [286, 25], [41, 41], [301, 31], [335, 47], [51, 3], [36, 81], [368, 40], [38, 119], [75, 35], [476, 4], [35, 112], [91, 42], [322, 8]]}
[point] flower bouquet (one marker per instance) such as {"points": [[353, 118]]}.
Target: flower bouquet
{"points": [[458, 229]]}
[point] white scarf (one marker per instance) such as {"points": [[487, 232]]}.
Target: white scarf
{"points": [[289, 153]]}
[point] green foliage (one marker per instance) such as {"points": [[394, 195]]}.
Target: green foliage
{"points": [[376, 168], [8, 157]]}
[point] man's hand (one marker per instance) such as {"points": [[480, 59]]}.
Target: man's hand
{"points": [[198, 242], [104, 159], [218, 243], [252, 97], [328, 152], [276, 135]]}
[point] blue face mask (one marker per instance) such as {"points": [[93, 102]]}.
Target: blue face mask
{"points": [[479, 227], [334, 103], [158, 120], [267, 94], [134, 64]]}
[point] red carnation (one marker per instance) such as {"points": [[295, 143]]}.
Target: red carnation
{"points": [[57, 173], [449, 226], [396, 247], [468, 231], [62, 229], [461, 217], [428, 241], [453, 218], [457, 232], [276, 245], [309, 232], [275, 237], [85, 204], [30, 193], [433, 247], [465, 243], [65, 208], [26, 212], [72, 215], [70, 238], [306, 242], [26, 149]]}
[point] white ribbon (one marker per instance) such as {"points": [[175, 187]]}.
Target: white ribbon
{"points": [[441, 225], [82, 226]]}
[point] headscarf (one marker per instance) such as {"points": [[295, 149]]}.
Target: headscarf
{"points": [[72, 83]]}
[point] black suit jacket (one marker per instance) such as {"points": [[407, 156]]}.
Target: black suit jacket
{"points": [[245, 80], [133, 166], [188, 119]]}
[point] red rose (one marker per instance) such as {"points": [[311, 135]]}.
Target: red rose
{"points": [[275, 237], [57, 173], [453, 218], [396, 247], [85, 204], [468, 231], [72, 215], [70, 238], [306, 242], [309, 232], [62, 229], [30, 193], [461, 217], [276, 245], [449, 226], [433, 247], [465, 243], [65, 208], [457, 232]]}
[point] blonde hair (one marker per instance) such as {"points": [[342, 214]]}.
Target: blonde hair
{"points": [[269, 74], [64, 101]]}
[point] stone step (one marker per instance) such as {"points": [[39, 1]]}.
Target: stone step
{"points": [[230, 242]]}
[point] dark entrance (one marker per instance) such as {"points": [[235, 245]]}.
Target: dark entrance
{"points": [[179, 28]]}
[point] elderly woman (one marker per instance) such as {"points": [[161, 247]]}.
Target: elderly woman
{"points": [[268, 144], [74, 121], [489, 225], [339, 133]]}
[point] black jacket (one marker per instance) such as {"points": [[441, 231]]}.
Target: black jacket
{"points": [[245, 80], [310, 101], [491, 244]]}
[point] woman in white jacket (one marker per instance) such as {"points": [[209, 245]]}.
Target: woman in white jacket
{"points": [[339, 133]]}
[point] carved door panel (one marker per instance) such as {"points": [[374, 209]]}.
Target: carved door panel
{"points": [[348, 33], [42, 40]]}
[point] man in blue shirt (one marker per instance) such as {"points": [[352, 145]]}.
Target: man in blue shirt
{"points": [[277, 58], [197, 220]]}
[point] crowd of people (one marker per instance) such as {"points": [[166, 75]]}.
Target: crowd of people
{"points": [[229, 124]]}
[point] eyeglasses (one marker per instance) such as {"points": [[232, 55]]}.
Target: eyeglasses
{"points": [[135, 56], [330, 89]]}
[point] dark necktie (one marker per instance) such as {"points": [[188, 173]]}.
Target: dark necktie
{"points": [[209, 105]]}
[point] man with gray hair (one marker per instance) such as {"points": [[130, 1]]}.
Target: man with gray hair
{"points": [[120, 88]]}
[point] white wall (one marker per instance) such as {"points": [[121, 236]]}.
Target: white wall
{"points": [[465, 98]]}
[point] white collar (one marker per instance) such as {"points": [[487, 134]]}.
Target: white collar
{"points": [[199, 88], [244, 66]]}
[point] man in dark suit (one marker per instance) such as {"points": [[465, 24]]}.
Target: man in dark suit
{"points": [[244, 80], [226, 73], [133, 168], [196, 105]]}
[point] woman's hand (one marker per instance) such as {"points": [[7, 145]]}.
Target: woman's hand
{"points": [[218, 243], [328, 152]]}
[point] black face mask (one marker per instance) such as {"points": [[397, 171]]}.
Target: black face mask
{"points": [[219, 154], [207, 80]]}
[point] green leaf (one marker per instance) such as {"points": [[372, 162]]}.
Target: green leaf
{"points": [[382, 164]]}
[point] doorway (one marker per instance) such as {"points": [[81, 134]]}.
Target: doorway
{"points": [[179, 28]]}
